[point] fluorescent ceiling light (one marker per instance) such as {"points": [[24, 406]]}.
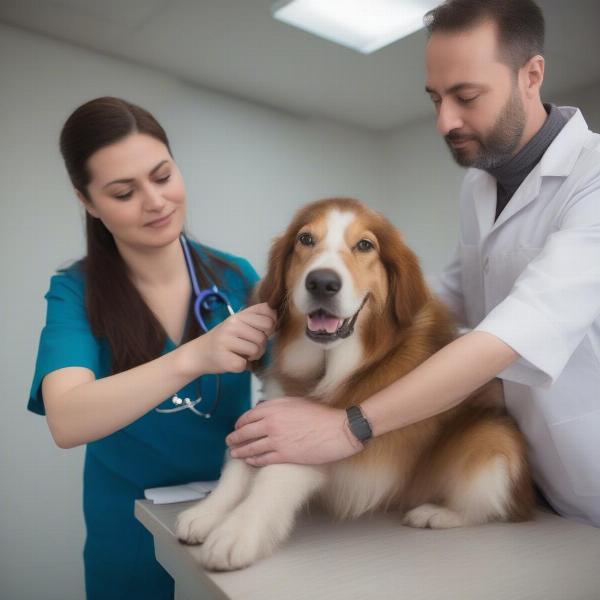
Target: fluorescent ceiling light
{"points": [[364, 25]]}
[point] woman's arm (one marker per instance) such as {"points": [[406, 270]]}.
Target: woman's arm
{"points": [[81, 409], [300, 431]]}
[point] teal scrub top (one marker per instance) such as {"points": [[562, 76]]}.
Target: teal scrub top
{"points": [[156, 450]]}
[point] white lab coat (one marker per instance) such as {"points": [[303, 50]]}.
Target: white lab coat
{"points": [[532, 279]]}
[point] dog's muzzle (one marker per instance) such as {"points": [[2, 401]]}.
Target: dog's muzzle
{"points": [[323, 327]]}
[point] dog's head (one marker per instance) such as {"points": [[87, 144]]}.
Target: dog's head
{"points": [[338, 265]]}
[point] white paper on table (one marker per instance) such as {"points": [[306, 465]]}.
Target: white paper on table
{"points": [[195, 490]]}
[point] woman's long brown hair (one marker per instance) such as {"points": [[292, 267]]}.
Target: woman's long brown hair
{"points": [[115, 308]]}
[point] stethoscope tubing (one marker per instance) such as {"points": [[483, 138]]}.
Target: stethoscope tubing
{"points": [[201, 296]]}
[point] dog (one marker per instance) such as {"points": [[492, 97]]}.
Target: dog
{"points": [[355, 315]]}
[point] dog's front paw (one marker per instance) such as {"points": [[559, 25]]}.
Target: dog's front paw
{"points": [[236, 544], [433, 516], [193, 525]]}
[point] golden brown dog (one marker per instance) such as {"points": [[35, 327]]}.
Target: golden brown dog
{"points": [[354, 316]]}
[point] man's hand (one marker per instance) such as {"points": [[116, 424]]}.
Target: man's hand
{"points": [[292, 430]]}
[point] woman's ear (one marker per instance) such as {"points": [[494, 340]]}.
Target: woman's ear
{"points": [[87, 204]]}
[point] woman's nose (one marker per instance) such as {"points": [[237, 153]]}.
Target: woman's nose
{"points": [[153, 198]]}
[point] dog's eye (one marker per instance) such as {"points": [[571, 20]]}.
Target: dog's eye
{"points": [[306, 239], [364, 246]]}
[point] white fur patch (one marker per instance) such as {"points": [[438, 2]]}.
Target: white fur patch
{"points": [[486, 496], [194, 524], [337, 223], [434, 516], [348, 299], [351, 492], [302, 358], [263, 519], [342, 359]]}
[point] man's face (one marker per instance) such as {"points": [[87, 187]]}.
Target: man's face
{"points": [[478, 103]]}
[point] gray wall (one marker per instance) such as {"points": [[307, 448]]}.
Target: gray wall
{"points": [[246, 169]]}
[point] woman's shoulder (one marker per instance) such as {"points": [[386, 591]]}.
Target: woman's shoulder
{"points": [[70, 277]]}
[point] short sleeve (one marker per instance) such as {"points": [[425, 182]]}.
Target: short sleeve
{"points": [[66, 339]]}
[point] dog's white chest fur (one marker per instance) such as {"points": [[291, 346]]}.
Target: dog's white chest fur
{"points": [[304, 358]]}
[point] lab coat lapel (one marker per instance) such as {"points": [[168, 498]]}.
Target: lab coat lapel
{"points": [[558, 161], [527, 192], [484, 195]]}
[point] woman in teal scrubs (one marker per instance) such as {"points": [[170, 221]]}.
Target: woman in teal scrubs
{"points": [[121, 340]]}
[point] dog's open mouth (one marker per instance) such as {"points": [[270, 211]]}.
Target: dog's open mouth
{"points": [[324, 327]]}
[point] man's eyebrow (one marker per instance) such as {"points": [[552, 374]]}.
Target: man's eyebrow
{"points": [[156, 168], [459, 87]]}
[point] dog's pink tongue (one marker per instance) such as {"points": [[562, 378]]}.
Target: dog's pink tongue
{"points": [[322, 322]]}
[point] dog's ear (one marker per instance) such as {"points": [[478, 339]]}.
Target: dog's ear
{"points": [[272, 289], [408, 291]]}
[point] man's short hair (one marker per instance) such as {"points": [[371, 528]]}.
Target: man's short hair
{"points": [[520, 23]]}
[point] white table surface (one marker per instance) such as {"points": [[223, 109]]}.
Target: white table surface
{"points": [[550, 558]]}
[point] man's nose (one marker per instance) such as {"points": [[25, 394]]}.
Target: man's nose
{"points": [[448, 118]]}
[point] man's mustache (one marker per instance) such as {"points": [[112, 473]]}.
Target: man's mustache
{"points": [[455, 136]]}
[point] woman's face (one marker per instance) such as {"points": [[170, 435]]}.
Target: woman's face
{"points": [[137, 191]]}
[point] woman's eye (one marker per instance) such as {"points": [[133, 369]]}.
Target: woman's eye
{"points": [[365, 246], [124, 196], [164, 179], [306, 239]]}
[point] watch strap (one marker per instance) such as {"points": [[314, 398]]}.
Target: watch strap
{"points": [[358, 424]]}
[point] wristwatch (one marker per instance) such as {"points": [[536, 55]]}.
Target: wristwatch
{"points": [[358, 424]]}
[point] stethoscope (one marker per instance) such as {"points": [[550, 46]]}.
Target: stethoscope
{"points": [[204, 299]]}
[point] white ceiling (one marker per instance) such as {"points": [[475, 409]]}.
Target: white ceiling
{"points": [[235, 46]]}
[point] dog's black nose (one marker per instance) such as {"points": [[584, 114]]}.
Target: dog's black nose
{"points": [[322, 283]]}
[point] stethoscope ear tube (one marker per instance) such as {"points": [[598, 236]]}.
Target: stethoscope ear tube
{"points": [[202, 295]]}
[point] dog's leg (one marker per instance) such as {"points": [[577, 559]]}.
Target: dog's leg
{"points": [[484, 497], [481, 475], [264, 519], [194, 524]]}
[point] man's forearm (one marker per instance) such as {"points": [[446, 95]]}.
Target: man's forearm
{"points": [[441, 382]]}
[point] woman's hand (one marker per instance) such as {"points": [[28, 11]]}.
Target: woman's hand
{"points": [[240, 338], [292, 430]]}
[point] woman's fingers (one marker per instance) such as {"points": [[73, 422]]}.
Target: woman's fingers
{"points": [[246, 349], [260, 322], [260, 316]]}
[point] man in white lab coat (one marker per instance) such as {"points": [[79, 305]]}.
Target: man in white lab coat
{"points": [[527, 267], [525, 277]]}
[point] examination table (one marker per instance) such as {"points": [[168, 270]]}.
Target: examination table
{"points": [[375, 557]]}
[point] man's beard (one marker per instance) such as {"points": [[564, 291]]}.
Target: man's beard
{"points": [[499, 144]]}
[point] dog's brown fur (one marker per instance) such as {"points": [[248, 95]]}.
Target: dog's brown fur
{"points": [[401, 325]]}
